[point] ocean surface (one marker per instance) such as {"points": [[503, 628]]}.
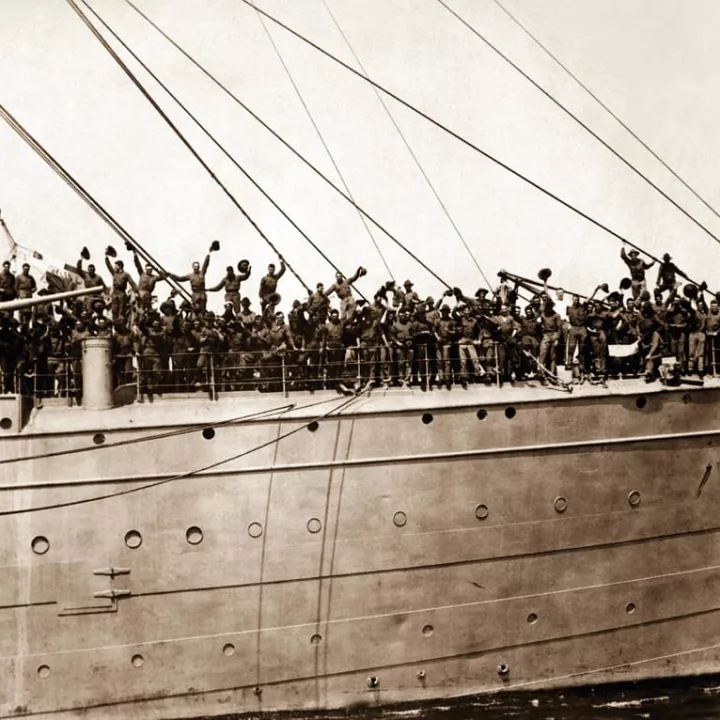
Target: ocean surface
{"points": [[671, 700]]}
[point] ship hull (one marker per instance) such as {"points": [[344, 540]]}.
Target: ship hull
{"points": [[268, 554]]}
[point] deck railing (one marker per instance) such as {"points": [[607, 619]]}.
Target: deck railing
{"points": [[286, 371]]}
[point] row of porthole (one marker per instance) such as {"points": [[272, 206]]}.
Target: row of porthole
{"points": [[194, 535], [560, 504], [209, 433], [228, 649]]}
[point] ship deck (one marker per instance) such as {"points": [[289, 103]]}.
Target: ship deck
{"points": [[196, 408]]}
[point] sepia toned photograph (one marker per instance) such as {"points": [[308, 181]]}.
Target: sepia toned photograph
{"points": [[359, 359]]}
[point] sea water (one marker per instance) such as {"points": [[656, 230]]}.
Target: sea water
{"points": [[666, 700]]}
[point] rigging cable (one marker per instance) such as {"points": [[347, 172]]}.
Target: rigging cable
{"points": [[181, 476], [284, 142], [9, 235], [405, 141], [574, 117], [617, 119], [86, 197], [178, 133], [449, 131], [212, 137], [322, 139], [196, 427]]}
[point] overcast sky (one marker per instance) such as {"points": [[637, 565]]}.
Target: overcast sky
{"points": [[654, 62]]}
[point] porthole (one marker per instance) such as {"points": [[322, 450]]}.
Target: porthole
{"points": [[313, 426], [503, 669], [98, 438], [133, 539], [510, 413], [427, 418], [314, 525], [208, 433], [44, 671], [6, 423], [255, 530], [532, 618], [481, 414], [641, 402], [428, 630], [316, 639], [560, 504], [630, 608], [400, 518], [228, 649], [481, 512], [40, 545], [137, 661], [633, 498], [194, 535]]}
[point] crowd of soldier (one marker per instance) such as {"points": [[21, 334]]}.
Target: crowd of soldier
{"points": [[396, 338]]}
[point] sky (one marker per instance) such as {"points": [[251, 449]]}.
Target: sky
{"points": [[654, 62]]}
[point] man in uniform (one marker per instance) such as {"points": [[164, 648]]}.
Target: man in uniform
{"points": [[637, 267], [231, 282], [551, 327], [667, 275], [268, 287], [153, 346], [334, 349], [196, 278], [274, 362], [508, 330], [677, 324], [469, 331], [410, 298], [342, 287], [146, 285], [8, 288], [529, 341], [318, 303], [25, 287], [446, 334], [401, 338], [697, 324], [246, 316], [712, 330], [596, 323], [120, 280], [577, 333]]}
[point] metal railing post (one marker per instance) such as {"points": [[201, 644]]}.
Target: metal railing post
{"points": [[497, 363], [284, 379], [138, 379], [213, 392], [427, 367]]}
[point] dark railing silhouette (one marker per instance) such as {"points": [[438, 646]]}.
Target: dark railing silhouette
{"points": [[283, 370]]}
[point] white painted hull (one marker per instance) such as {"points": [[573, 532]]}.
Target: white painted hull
{"points": [[384, 557]]}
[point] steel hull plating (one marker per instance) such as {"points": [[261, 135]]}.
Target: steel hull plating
{"points": [[407, 546]]}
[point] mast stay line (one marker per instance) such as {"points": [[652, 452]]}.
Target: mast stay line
{"points": [[211, 137], [574, 117], [613, 115], [406, 142], [322, 139], [451, 132], [178, 133], [89, 199], [284, 142]]}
